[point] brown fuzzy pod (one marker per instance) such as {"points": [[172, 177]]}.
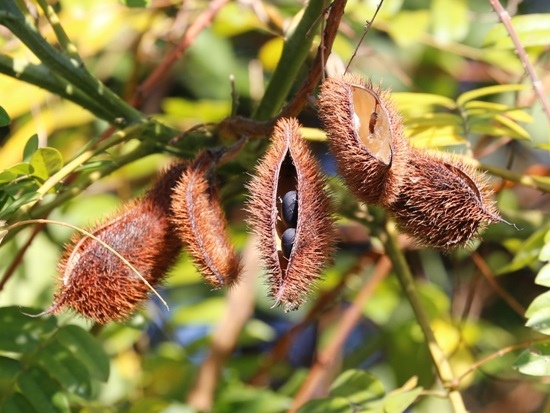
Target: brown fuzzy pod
{"points": [[200, 222], [444, 202], [294, 251], [365, 135], [98, 284]]}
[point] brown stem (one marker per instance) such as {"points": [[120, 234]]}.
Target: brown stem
{"points": [[191, 33], [349, 319], [489, 276], [520, 50]]}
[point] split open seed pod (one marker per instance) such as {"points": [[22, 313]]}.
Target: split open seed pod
{"points": [[443, 203], [365, 135], [95, 282], [290, 213], [201, 224]]}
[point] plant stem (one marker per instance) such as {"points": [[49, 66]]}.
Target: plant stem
{"points": [[406, 280], [295, 52], [42, 77]]}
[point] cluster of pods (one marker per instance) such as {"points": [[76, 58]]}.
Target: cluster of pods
{"points": [[438, 200]]}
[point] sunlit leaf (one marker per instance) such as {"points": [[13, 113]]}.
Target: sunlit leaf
{"points": [[31, 147], [538, 314], [531, 29], [270, 53], [543, 277], [407, 101], [408, 27], [535, 361], [528, 252], [450, 20], [46, 162], [486, 91]]}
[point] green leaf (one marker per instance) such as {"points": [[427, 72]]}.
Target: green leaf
{"points": [[359, 387], [450, 20], [136, 3], [17, 403], [399, 401], [538, 314], [86, 349], [46, 162], [327, 405], [528, 252], [9, 369], [543, 277], [407, 100], [409, 26], [66, 368], [531, 29], [489, 90], [535, 361], [4, 117], [21, 333], [42, 392], [30, 147], [22, 200]]}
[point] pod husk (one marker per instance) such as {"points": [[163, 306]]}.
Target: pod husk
{"points": [[372, 164], [201, 224], [99, 285], [444, 203], [289, 164]]}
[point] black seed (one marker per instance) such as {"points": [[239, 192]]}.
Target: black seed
{"points": [[290, 208], [287, 241]]}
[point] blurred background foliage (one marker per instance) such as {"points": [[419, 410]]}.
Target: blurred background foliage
{"points": [[460, 86]]}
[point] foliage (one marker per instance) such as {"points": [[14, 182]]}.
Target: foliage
{"points": [[98, 96]]}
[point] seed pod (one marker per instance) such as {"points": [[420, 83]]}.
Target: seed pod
{"points": [[365, 135], [292, 263], [98, 284], [201, 224], [443, 203]]}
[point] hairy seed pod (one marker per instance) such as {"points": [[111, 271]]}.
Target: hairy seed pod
{"points": [[444, 202], [293, 261], [201, 224], [98, 284], [365, 135]]}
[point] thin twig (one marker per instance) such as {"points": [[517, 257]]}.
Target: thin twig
{"points": [[499, 353], [347, 322], [520, 50], [200, 23], [489, 276]]}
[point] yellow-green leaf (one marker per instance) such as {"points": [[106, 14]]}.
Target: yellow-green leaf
{"points": [[46, 162], [489, 90], [532, 30]]}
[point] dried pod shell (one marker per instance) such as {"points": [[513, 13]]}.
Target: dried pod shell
{"points": [[289, 165], [365, 135], [98, 284], [444, 202], [201, 224]]}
